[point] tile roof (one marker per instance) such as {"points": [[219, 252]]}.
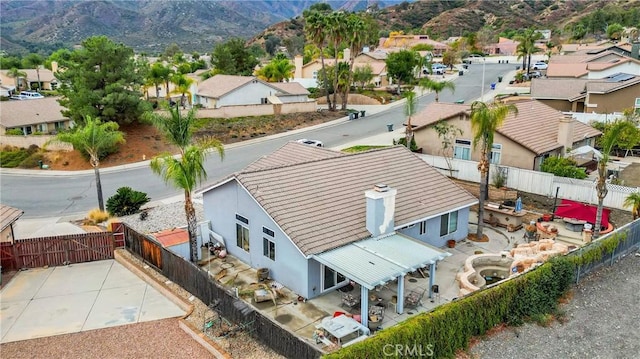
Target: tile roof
{"points": [[536, 127], [8, 215], [377, 68], [292, 153], [46, 75], [290, 88], [320, 204], [567, 69], [605, 86], [219, 85], [557, 88], [435, 112], [15, 113], [377, 54]]}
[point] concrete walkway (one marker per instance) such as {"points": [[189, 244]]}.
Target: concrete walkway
{"points": [[43, 302]]}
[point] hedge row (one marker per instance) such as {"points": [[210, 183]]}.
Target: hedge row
{"points": [[448, 328]]}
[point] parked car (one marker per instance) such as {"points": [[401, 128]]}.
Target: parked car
{"points": [[30, 95], [532, 75], [540, 65], [311, 142], [437, 69], [473, 58]]}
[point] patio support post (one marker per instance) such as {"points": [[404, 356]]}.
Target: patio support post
{"points": [[432, 278], [364, 305], [400, 304]]}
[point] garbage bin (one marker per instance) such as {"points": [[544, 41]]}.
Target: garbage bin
{"points": [[362, 113], [390, 127], [355, 114], [499, 78], [507, 61], [460, 73], [351, 116], [517, 68], [465, 66], [40, 164], [493, 86]]}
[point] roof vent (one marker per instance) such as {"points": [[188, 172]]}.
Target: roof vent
{"points": [[381, 187]]}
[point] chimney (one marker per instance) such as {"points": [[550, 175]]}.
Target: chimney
{"points": [[381, 208], [54, 66], [565, 132], [297, 61]]}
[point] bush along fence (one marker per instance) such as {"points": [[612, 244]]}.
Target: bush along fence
{"points": [[198, 282], [531, 296]]}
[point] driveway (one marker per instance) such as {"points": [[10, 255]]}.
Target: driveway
{"points": [[43, 302]]}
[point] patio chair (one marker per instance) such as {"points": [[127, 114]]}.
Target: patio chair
{"points": [[349, 300], [413, 299]]}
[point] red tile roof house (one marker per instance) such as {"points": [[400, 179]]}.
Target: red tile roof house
{"points": [[523, 141], [317, 218]]}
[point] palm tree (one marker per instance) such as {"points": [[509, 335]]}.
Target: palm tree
{"points": [[156, 76], [521, 51], [94, 138], [337, 28], [316, 32], [358, 31], [182, 86], [436, 86], [633, 201], [528, 40], [17, 75], [35, 61], [409, 110], [609, 140], [187, 171], [485, 120]]}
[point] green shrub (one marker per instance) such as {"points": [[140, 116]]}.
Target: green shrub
{"points": [[126, 201], [14, 132], [12, 158], [32, 160], [563, 167]]}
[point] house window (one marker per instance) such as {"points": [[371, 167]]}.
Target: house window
{"points": [[462, 149], [263, 101], [315, 75], [496, 149], [242, 233], [448, 223], [331, 278], [268, 232], [59, 125], [42, 128], [27, 130], [269, 248], [637, 106], [423, 227]]}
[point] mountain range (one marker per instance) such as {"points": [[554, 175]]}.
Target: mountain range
{"points": [[147, 25], [151, 25]]}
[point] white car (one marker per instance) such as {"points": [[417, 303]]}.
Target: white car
{"points": [[311, 142], [30, 95], [539, 66]]}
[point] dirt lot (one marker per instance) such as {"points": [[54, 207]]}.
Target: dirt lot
{"points": [[144, 141]]}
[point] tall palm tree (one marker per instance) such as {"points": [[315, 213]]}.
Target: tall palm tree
{"points": [[187, 171], [35, 61], [315, 29], [485, 120], [94, 138], [156, 76], [409, 111], [183, 87], [633, 201], [609, 140], [336, 24], [436, 86], [528, 40], [17, 75], [359, 30]]}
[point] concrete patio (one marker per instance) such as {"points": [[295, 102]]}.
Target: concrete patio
{"points": [[301, 316]]}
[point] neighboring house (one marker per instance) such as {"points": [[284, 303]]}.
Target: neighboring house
{"points": [[317, 218], [406, 42], [227, 90], [33, 116], [592, 65], [8, 216], [177, 241], [614, 93], [47, 78], [307, 74], [523, 141], [7, 90], [504, 46]]}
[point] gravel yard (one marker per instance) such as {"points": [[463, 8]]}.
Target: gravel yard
{"points": [[602, 322]]}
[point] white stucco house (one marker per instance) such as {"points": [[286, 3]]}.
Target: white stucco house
{"points": [[318, 219], [228, 90]]}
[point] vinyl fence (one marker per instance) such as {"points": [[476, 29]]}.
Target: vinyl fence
{"points": [[541, 183]]}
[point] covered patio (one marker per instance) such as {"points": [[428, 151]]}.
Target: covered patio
{"points": [[373, 263]]}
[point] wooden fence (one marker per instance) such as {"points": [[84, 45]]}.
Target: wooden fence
{"points": [[57, 250], [198, 282]]}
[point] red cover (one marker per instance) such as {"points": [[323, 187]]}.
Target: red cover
{"points": [[582, 211]]}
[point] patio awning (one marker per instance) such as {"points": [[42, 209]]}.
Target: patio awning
{"points": [[376, 261]]}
